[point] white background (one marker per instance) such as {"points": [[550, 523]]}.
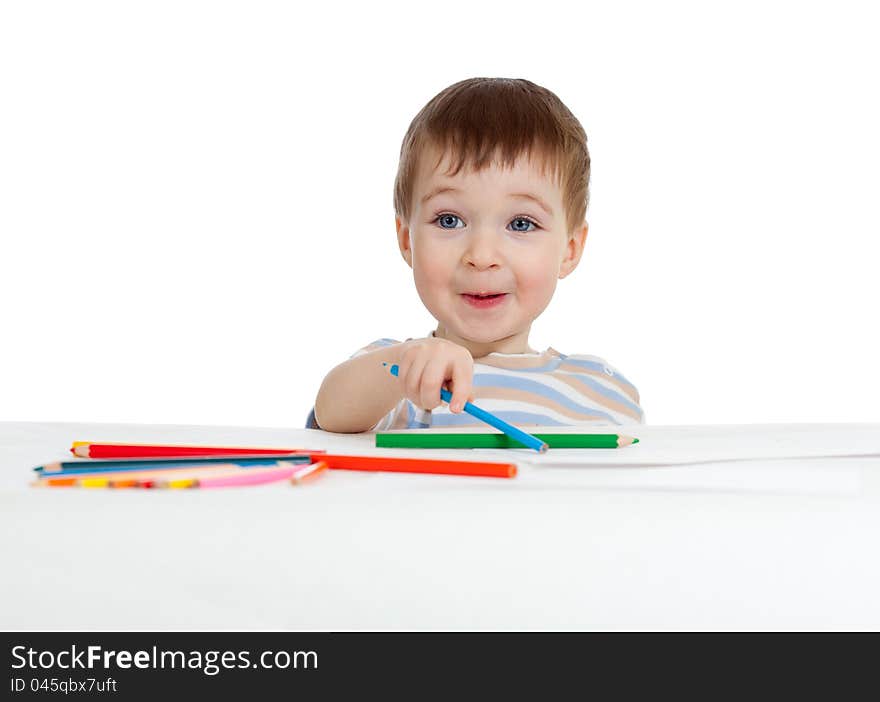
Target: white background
{"points": [[196, 199]]}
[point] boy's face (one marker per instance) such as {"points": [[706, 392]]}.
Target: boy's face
{"points": [[485, 237]]}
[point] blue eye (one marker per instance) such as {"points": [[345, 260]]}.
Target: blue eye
{"points": [[527, 221], [451, 218], [446, 217]]}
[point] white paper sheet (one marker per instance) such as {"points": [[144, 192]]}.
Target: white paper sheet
{"points": [[692, 445]]}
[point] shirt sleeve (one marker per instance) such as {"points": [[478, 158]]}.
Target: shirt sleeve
{"points": [[619, 389], [312, 423]]}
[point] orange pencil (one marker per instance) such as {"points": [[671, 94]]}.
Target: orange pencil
{"points": [[94, 449], [307, 473], [124, 483], [419, 465], [58, 482]]}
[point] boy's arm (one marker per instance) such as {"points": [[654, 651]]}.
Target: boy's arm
{"points": [[359, 392]]}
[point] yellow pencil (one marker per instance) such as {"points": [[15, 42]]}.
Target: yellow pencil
{"points": [[94, 482], [186, 483]]}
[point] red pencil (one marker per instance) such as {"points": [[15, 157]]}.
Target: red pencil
{"points": [[92, 449], [419, 465], [85, 449]]}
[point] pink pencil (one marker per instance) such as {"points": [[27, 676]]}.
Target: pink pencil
{"points": [[255, 477]]}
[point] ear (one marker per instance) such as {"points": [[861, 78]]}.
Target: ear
{"points": [[403, 240], [574, 249]]}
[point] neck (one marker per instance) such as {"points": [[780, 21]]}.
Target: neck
{"points": [[516, 343]]}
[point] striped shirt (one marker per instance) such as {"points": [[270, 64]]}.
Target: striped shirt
{"points": [[527, 389]]}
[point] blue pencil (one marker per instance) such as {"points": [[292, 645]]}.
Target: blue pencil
{"points": [[516, 434], [101, 466]]}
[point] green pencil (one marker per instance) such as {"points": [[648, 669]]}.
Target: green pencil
{"points": [[402, 439]]}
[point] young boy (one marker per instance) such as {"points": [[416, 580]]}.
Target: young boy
{"points": [[490, 201]]}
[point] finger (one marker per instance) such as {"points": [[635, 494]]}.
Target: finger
{"points": [[463, 384], [413, 379], [432, 380], [403, 366]]}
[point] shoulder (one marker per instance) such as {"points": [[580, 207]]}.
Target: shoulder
{"points": [[373, 345], [576, 387], [597, 367]]}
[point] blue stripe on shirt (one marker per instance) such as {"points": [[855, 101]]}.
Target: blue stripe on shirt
{"points": [[542, 390], [599, 367], [511, 417]]}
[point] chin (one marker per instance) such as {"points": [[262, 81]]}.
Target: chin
{"points": [[483, 335]]}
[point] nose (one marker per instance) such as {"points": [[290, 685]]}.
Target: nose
{"points": [[482, 251]]}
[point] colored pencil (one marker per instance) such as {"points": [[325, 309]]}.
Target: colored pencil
{"points": [[122, 483], [308, 473], [122, 478], [420, 465], [513, 432], [99, 465], [419, 439], [94, 449], [249, 477], [232, 476], [94, 482], [180, 483]]}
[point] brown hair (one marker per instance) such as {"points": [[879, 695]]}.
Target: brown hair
{"points": [[478, 117]]}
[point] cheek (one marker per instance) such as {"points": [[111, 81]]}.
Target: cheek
{"points": [[431, 265], [536, 280]]}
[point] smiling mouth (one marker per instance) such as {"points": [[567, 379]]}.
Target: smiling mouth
{"points": [[484, 301]]}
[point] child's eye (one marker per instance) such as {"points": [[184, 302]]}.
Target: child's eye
{"points": [[527, 221], [446, 218]]}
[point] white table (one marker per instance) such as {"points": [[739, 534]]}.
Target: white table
{"points": [[766, 543]]}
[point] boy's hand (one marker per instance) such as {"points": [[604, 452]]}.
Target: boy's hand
{"points": [[427, 364]]}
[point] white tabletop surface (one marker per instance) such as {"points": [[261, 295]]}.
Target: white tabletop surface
{"points": [[706, 527]]}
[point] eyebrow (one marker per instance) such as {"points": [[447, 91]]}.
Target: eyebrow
{"points": [[528, 196]]}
